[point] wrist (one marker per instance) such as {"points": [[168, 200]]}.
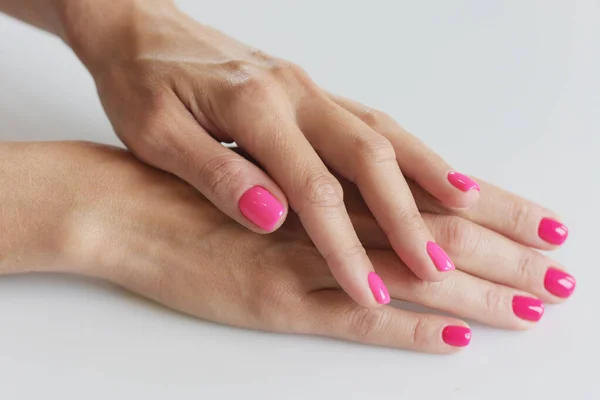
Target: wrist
{"points": [[102, 31], [37, 201]]}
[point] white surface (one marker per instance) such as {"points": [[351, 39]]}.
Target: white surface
{"points": [[506, 90]]}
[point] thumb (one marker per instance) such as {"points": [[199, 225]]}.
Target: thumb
{"points": [[233, 184]]}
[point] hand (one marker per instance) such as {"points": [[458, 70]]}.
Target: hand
{"points": [[155, 235], [173, 89]]}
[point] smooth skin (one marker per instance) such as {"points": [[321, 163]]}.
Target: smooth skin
{"points": [[96, 210], [174, 89]]}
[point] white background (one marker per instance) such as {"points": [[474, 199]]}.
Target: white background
{"points": [[506, 90]]}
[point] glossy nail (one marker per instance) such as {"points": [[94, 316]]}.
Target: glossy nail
{"points": [[462, 182], [458, 336], [553, 231], [439, 257], [559, 283], [378, 288], [261, 207], [528, 308]]}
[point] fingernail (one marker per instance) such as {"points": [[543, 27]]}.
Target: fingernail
{"points": [[528, 308], [552, 231], [261, 207], [378, 288], [462, 182], [458, 336], [559, 283], [439, 257]]}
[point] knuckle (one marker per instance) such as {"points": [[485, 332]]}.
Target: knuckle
{"points": [[349, 253], [460, 236], [429, 292], [412, 220], [323, 190], [374, 118], [525, 268], [518, 213], [377, 150], [220, 174], [247, 81], [493, 300], [418, 333], [367, 322], [286, 70]]}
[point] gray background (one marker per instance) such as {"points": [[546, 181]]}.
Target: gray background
{"points": [[506, 90]]}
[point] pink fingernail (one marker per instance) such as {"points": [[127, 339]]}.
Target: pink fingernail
{"points": [[559, 283], [261, 207], [458, 336], [528, 308], [553, 231], [378, 288], [439, 257], [462, 182]]}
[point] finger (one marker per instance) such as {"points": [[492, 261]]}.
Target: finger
{"points": [[366, 158], [508, 214], [416, 160], [267, 131], [461, 294], [176, 143], [331, 313], [488, 255]]}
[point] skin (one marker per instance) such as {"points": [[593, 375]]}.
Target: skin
{"points": [[83, 208], [174, 89]]}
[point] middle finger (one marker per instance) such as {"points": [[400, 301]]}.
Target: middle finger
{"points": [[363, 156]]}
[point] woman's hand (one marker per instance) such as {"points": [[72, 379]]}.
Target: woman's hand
{"points": [[155, 235], [173, 89]]}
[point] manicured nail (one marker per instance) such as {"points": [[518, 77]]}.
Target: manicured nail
{"points": [[261, 207], [462, 182], [458, 336], [439, 257], [553, 231], [528, 308], [378, 288], [559, 283]]}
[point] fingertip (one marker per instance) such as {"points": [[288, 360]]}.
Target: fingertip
{"points": [[462, 191], [378, 288], [456, 335], [440, 259], [259, 206], [559, 285], [462, 182]]}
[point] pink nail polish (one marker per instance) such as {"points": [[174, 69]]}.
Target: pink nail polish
{"points": [[553, 231], [260, 207], [559, 283], [439, 257], [528, 308], [458, 336], [462, 182], [378, 288]]}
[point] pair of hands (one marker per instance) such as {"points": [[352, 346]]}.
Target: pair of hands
{"points": [[173, 89], [98, 211]]}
